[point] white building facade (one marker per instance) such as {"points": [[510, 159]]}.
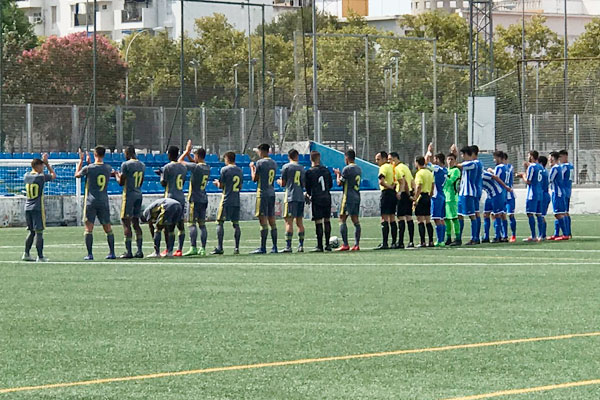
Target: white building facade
{"points": [[118, 18]]}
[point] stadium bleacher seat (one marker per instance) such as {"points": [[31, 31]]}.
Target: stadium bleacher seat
{"points": [[53, 155], [5, 156]]}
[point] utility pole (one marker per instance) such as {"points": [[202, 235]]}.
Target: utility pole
{"points": [[317, 133], [95, 57], [182, 81]]}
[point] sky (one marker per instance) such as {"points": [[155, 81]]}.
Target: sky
{"points": [[405, 6]]}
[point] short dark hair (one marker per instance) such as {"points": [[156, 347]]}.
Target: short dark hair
{"points": [[100, 151], [499, 154], [315, 156], [534, 154], [504, 155], [395, 155], [543, 160], [201, 153], [475, 149], [35, 162], [264, 147], [229, 156], [452, 155], [420, 160], [351, 154], [441, 157], [293, 154], [173, 153], [467, 150], [383, 154], [130, 151], [563, 152], [555, 155]]}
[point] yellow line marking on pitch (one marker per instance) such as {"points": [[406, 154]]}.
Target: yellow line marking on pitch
{"points": [[297, 362], [528, 390]]}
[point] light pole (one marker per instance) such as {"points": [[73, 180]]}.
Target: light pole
{"points": [[158, 29], [251, 98], [152, 92], [272, 76], [235, 83], [195, 64]]}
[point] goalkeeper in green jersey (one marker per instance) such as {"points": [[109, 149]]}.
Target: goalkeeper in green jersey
{"points": [[451, 186]]}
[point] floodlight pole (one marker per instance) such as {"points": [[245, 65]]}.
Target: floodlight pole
{"points": [[264, 72], [566, 78], [317, 128], [95, 57], [182, 81], [1, 78]]}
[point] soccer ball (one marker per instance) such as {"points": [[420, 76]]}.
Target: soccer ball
{"points": [[334, 242]]}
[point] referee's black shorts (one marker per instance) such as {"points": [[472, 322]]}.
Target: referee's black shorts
{"points": [[388, 202], [404, 205], [423, 206]]}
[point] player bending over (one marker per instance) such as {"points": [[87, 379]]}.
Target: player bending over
{"points": [[172, 179], [422, 205], [165, 213], [318, 185], [96, 199], [438, 199], [230, 182], [558, 198], [533, 179], [350, 178], [451, 186], [263, 173], [35, 213], [293, 178], [131, 177], [197, 198]]}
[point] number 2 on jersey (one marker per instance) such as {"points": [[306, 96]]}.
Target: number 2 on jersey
{"points": [[236, 183]]}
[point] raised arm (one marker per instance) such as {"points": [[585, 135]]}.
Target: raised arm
{"points": [[186, 153], [79, 165], [50, 169]]}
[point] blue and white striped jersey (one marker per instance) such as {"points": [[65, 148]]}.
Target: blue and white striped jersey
{"points": [[555, 178], [510, 180], [490, 185], [439, 178], [534, 177], [545, 183], [567, 178], [479, 177], [468, 180]]}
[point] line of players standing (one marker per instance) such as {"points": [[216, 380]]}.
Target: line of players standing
{"points": [[447, 192]]}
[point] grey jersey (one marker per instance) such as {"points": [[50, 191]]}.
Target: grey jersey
{"points": [[172, 211], [133, 172], [351, 176], [173, 178], [231, 184], [96, 183], [199, 179], [295, 178], [34, 190], [266, 169]]}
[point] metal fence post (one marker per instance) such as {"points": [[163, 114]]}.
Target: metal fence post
{"points": [[29, 125], [456, 130], [531, 127], [576, 148], [318, 139], [242, 128], [161, 128], [203, 126], [355, 130], [75, 139], [367, 128], [423, 134], [119, 121], [435, 112], [281, 126], [389, 131]]}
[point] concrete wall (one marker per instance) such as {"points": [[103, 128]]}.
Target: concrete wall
{"points": [[65, 210]]}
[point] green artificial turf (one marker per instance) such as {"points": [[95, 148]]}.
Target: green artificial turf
{"points": [[70, 321]]}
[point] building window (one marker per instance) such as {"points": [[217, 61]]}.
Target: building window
{"points": [[53, 14], [453, 4], [427, 5], [440, 4]]}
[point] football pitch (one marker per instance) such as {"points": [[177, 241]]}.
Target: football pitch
{"points": [[510, 321]]}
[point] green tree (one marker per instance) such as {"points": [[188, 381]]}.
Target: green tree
{"points": [[297, 21]]}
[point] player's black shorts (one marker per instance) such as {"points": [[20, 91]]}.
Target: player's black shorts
{"points": [[35, 220], [350, 208], [169, 217], [388, 201], [131, 207], [293, 209], [228, 213], [265, 206], [404, 205], [197, 212], [423, 206], [321, 209], [98, 210]]}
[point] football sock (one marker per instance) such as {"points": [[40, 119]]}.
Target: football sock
{"points": [[203, 234], [422, 231], [385, 232], [138, 242], [563, 225], [568, 225], [327, 232], [110, 239], [181, 240], [301, 238], [504, 228], [448, 229], [288, 239], [401, 229], [344, 233], [498, 228], [220, 234], [474, 229], [89, 241], [39, 244], [29, 241], [193, 235], [429, 231], [128, 244], [411, 231], [439, 230], [478, 227], [513, 225], [319, 229], [557, 227], [461, 228], [157, 236], [541, 226], [487, 223], [531, 219], [237, 235], [171, 242], [274, 236], [264, 230], [357, 231], [457, 227], [394, 231]]}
